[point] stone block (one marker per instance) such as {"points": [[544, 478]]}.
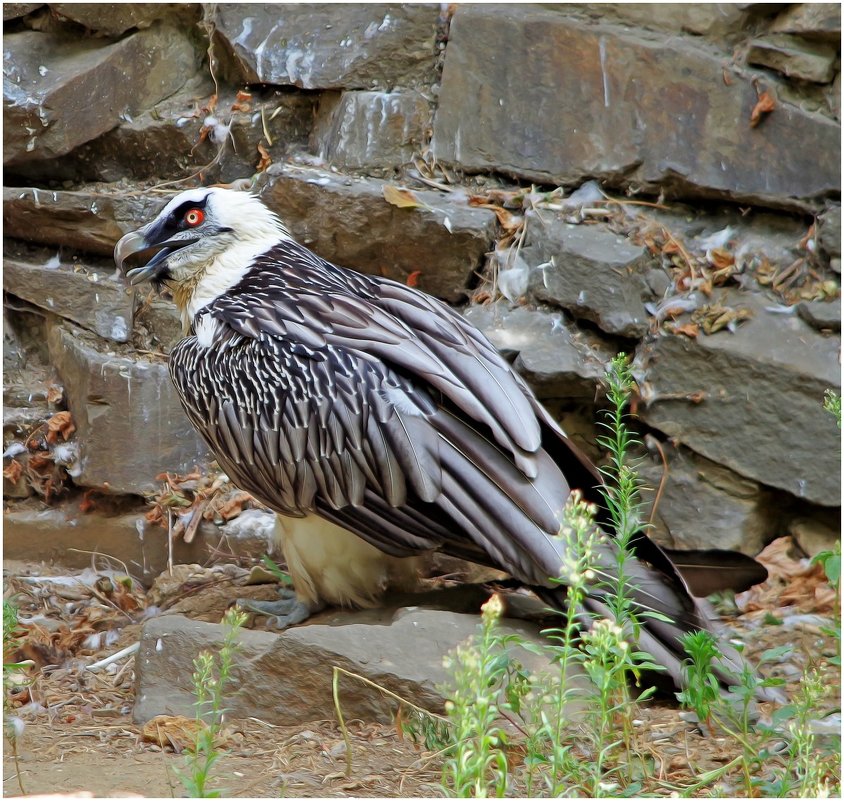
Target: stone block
{"points": [[814, 536], [87, 296], [704, 505], [129, 422], [825, 315], [590, 271], [51, 80], [752, 400], [829, 230], [379, 130], [286, 679], [325, 46], [15, 10], [65, 536], [168, 140], [556, 359], [89, 220], [702, 19], [812, 20], [794, 57], [114, 19], [593, 101], [348, 222]]}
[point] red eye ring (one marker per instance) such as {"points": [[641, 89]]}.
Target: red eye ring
{"points": [[194, 217]]}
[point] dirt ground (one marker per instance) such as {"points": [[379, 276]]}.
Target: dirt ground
{"points": [[79, 733]]}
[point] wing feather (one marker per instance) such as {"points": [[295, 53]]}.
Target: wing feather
{"points": [[386, 412]]}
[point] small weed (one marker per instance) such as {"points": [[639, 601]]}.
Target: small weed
{"points": [[578, 737], [477, 766], [588, 752], [418, 723], [211, 674], [703, 690], [832, 403], [830, 561], [12, 673], [280, 575]]}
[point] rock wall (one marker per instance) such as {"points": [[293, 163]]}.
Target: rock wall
{"points": [[580, 179]]}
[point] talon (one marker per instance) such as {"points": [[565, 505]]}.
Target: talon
{"points": [[287, 611]]}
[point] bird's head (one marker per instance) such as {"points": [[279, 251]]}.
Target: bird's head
{"points": [[200, 245]]}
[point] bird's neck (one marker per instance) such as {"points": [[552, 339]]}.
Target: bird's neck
{"points": [[216, 277]]}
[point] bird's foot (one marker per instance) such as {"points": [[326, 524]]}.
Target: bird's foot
{"points": [[280, 614]]}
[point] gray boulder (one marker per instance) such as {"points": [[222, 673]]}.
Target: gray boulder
{"points": [[812, 20], [557, 360], [286, 678], [90, 220], [88, 296], [591, 272], [323, 46], [704, 505], [129, 423], [114, 19], [654, 112], [373, 130], [752, 400], [50, 82], [794, 57], [348, 221]]}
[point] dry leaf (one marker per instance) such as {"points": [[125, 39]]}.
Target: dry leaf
{"points": [[60, 423], [690, 330], [779, 564], [721, 258], [87, 504], [242, 95], [13, 471], [508, 221], [764, 105], [512, 199], [413, 278], [40, 460], [265, 160], [403, 198], [178, 732], [55, 393], [233, 506], [124, 598], [174, 730]]}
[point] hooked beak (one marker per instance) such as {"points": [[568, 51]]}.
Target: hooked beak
{"points": [[133, 248]]}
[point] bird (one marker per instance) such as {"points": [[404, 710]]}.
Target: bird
{"points": [[380, 426]]}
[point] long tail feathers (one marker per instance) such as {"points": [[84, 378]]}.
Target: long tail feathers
{"points": [[715, 570]]}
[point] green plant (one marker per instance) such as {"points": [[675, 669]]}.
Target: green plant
{"points": [[210, 676], [702, 687], [832, 403], [830, 561], [803, 773], [733, 713], [12, 673], [280, 575], [477, 765], [579, 736], [578, 571], [590, 752]]}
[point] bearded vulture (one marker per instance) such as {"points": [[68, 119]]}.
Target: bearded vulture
{"points": [[376, 421]]}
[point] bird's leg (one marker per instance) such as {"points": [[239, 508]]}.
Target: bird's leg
{"points": [[288, 610]]}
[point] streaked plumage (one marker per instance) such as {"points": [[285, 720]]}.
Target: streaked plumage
{"points": [[375, 407]]}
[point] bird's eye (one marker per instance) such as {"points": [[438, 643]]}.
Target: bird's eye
{"points": [[194, 217]]}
